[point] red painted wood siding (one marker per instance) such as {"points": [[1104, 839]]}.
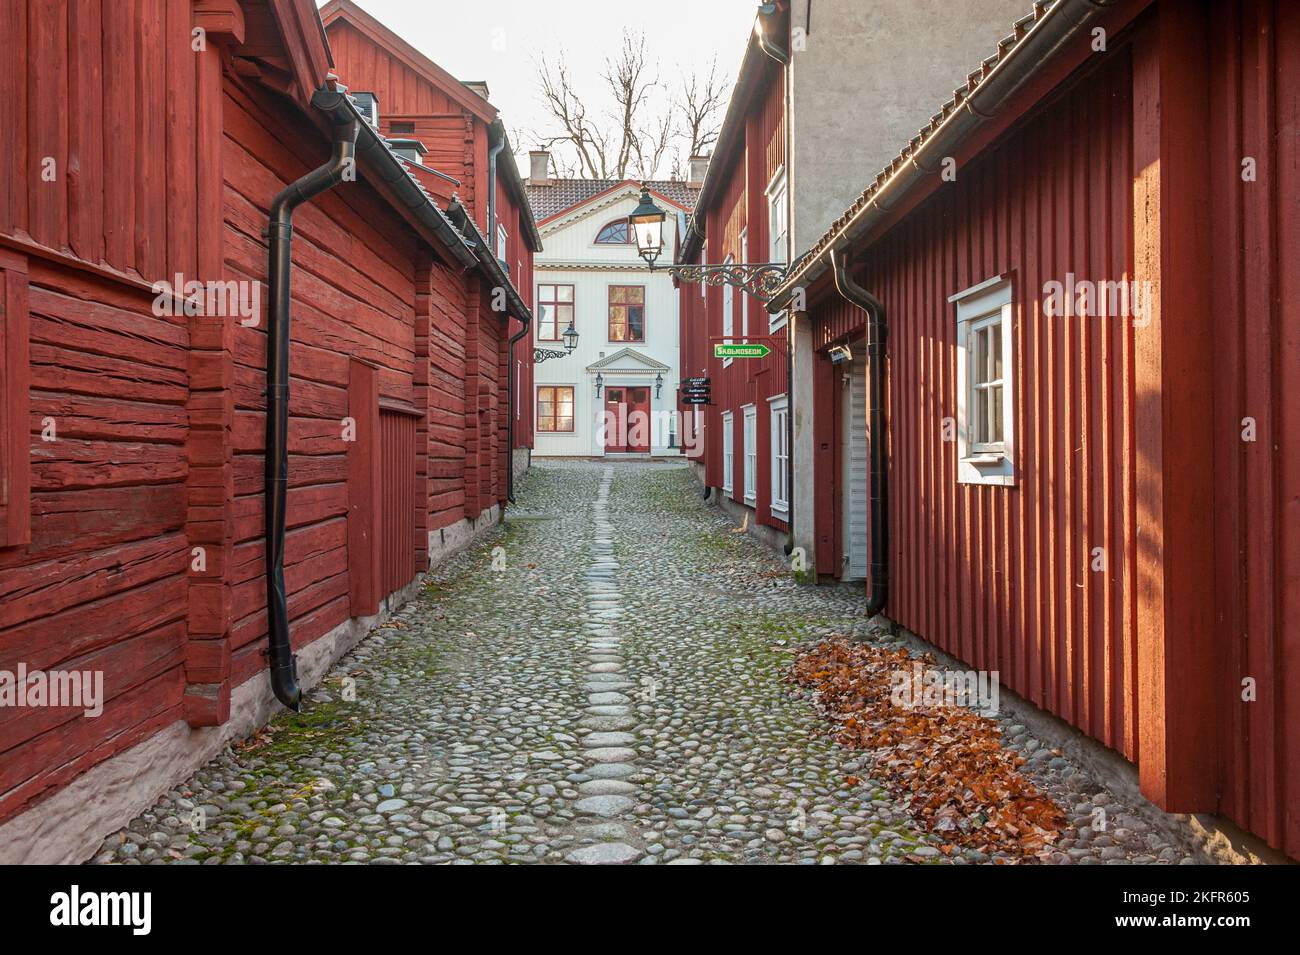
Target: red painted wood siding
{"points": [[96, 577], [1253, 79], [359, 305], [1000, 576], [740, 204], [1114, 421], [163, 164], [398, 537], [454, 137]]}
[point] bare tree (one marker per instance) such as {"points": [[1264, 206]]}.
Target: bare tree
{"points": [[645, 129], [700, 103]]}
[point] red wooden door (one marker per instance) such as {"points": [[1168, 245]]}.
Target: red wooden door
{"points": [[397, 533], [627, 420]]}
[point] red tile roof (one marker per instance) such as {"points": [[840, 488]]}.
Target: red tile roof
{"points": [[559, 195]]}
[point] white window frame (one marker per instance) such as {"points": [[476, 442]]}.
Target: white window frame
{"points": [[502, 240], [749, 453], [778, 408], [778, 205], [744, 299], [987, 304], [728, 453], [728, 313]]}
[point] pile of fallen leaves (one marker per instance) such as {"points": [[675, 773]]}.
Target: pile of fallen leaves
{"points": [[946, 762]]}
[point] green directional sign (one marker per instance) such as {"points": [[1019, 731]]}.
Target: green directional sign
{"points": [[753, 350]]}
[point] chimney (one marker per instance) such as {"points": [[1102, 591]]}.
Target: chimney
{"points": [[477, 86], [539, 171], [699, 165]]}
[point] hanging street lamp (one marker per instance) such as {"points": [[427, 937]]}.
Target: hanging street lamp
{"points": [[758, 279], [570, 337]]}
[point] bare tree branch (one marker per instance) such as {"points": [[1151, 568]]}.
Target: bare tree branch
{"points": [[701, 103], [647, 131]]}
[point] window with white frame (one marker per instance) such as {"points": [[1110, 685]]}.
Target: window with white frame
{"points": [[744, 299], [750, 451], [779, 414], [777, 225], [728, 451], [778, 232], [985, 425], [501, 242], [728, 316]]}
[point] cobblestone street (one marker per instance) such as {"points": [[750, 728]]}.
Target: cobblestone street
{"points": [[599, 680]]}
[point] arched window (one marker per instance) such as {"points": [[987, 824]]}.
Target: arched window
{"points": [[613, 233]]}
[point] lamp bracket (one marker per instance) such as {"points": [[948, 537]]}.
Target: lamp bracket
{"points": [[542, 354], [758, 279]]}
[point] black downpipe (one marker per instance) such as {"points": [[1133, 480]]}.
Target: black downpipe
{"points": [[877, 333], [510, 414], [345, 127]]}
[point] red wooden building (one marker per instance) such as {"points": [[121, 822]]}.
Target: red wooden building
{"points": [[463, 153], [1085, 268], [149, 143], [740, 217]]}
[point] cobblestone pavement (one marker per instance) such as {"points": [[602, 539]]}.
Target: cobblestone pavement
{"points": [[600, 680]]}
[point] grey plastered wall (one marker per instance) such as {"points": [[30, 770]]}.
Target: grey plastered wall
{"points": [[865, 76]]}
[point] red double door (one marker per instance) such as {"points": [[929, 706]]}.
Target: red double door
{"points": [[628, 420]]}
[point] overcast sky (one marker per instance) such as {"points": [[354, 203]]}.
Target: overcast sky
{"points": [[498, 41]]}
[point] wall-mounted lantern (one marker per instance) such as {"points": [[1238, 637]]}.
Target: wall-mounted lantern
{"points": [[599, 381], [570, 337], [659, 384], [759, 279]]}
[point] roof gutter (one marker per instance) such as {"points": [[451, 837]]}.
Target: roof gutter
{"points": [[515, 183], [510, 410], [877, 333], [1042, 41], [493, 152], [487, 260], [774, 50], [383, 162], [345, 124]]}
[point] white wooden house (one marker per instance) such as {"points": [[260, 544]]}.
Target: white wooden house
{"points": [[616, 393]]}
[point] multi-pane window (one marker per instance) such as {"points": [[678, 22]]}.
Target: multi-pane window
{"points": [[627, 313], [985, 384], [777, 225], [554, 311], [750, 451], [744, 299], [779, 408], [728, 317], [984, 346], [778, 234], [614, 233], [501, 242], [555, 408], [728, 451]]}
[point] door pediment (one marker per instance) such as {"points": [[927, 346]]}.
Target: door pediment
{"points": [[628, 361]]}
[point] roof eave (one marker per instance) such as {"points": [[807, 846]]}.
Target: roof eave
{"points": [[1024, 58], [488, 262]]}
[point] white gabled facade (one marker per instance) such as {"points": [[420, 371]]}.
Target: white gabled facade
{"points": [[626, 317]]}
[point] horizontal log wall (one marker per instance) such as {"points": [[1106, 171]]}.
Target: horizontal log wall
{"points": [[353, 297]]}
